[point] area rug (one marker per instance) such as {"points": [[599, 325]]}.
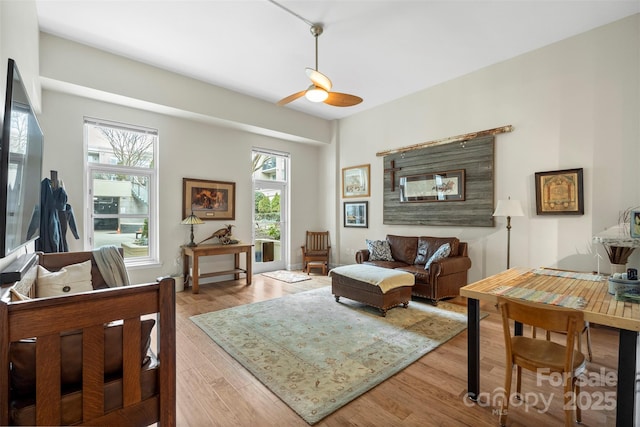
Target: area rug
{"points": [[287, 276], [317, 355]]}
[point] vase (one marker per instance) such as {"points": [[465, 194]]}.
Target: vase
{"points": [[618, 268]]}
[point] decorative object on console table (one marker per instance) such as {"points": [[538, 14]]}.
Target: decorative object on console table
{"points": [[559, 192], [209, 200], [356, 214], [508, 208], [223, 235], [190, 220], [619, 245], [355, 181]]}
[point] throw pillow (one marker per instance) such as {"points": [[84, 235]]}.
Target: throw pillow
{"points": [[23, 357], [442, 252], [421, 256], [379, 250], [70, 279]]}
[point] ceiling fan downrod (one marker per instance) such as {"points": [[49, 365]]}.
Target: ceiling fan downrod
{"points": [[316, 30]]}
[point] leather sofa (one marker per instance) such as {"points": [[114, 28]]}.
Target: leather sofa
{"points": [[443, 279]]}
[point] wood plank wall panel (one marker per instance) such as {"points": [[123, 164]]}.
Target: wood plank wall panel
{"points": [[475, 156]]}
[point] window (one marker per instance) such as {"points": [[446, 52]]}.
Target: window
{"points": [[121, 183]]}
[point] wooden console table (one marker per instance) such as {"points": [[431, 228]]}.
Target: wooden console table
{"points": [[196, 252]]}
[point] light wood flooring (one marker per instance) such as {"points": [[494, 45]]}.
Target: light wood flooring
{"points": [[214, 390]]}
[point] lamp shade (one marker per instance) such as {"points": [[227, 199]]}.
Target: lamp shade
{"points": [[192, 219], [508, 208], [316, 94]]}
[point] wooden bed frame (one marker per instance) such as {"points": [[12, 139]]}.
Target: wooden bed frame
{"points": [[46, 318]]}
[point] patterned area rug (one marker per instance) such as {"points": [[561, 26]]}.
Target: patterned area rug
{"points": [[287, 276], [317, 355]]}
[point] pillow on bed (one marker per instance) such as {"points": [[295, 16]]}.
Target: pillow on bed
{"points": [[442, 252], [23, 357], [70, 279], [379, 250]]}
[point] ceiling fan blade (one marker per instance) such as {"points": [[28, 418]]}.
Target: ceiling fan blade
{"points": [[338, 99], [319, 79], [290, 98]]}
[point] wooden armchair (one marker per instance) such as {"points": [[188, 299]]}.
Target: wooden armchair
{"points": [[316, 251]]}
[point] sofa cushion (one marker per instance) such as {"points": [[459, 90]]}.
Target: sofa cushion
{"points": [[23, 357], [442, 252], [379, 250], [403, 248], [386, 264], [427, 246], [68, 280], [421, 275]]}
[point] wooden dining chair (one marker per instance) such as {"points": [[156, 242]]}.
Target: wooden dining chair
{"points": [[539, 355], [316, 249], [584, 331]]}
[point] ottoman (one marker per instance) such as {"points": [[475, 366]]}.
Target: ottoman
{"points": [[378, 287]]}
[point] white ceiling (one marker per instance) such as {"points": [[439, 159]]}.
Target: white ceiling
{"points": [[379, 50]]}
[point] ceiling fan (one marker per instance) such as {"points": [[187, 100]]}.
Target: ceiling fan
{"points": [[320, 88]]}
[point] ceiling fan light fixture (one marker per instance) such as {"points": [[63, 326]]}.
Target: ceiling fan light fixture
{"points": [[316, 94], [320, 89]]}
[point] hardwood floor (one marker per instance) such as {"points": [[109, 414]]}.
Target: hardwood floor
{"points": [[214, 390]]}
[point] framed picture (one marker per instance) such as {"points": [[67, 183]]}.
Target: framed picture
{"points": [[559, 192], [208, 200], [355, 181], [433, 187], [356, 214], [635, 224]]}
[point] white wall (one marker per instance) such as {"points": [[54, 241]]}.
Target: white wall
{"points": [[19, 37], [75, 68], [573, 104], [186, 149]]}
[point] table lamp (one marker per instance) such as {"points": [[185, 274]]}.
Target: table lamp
{"points": [[508, 208], [190, 220]]}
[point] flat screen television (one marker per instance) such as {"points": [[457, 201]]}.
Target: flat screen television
{"points": [[20, 167]]}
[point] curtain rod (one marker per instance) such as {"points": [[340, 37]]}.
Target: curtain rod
{"points": [[450, 139]]}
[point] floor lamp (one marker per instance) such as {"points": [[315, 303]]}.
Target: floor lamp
{"points": [[508, 208]]}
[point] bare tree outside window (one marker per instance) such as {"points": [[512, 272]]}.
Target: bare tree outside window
{"points": [[129, 148]]}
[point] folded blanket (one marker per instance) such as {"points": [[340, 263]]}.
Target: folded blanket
{"points": [[384, 278], [111, 266]]}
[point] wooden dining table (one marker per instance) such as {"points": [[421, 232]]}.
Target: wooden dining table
{"points": [[598, 306]]}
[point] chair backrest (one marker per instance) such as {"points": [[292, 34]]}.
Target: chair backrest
{"points": [[549, 317], [317, 241]]}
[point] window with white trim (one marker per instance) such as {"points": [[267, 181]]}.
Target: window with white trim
{"points": [[122, 197]]}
